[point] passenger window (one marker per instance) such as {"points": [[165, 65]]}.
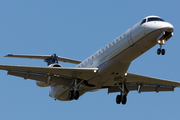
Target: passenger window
{"points": [[106, 47], [97, 53], [143, 21]]}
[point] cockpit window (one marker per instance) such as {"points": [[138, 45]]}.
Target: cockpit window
{"points": [[154, 19], [143, 21], [160, 19]]}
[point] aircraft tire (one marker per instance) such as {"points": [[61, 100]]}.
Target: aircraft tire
{"points": [[159, 51], [76, 95], [118, 99], [163, 51], [124, 100], [71, 94]]}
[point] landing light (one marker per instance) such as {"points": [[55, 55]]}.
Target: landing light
{"points": [[95, 71], [163, 41], [125, 74], [159, 41]]}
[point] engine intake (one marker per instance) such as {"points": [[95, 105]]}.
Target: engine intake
{"points": [[55, 65]]}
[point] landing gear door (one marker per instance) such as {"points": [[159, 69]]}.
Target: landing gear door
{"points": [[129, 36]]}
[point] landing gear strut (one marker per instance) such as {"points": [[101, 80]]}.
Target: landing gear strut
{"points": [[74, 93], [123, 97], [161, 41]]}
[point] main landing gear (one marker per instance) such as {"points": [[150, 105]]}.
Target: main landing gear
{"points": [[123, 96], [74, 93], [120, 99]]}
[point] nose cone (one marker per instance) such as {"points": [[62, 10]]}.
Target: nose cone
{"points": [[168, 27], [157, 25]]}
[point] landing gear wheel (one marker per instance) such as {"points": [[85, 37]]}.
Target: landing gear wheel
{"points": [[118, 99], [159, 51], [163, 51], [71, 94], [124, 99], [76, 95]]}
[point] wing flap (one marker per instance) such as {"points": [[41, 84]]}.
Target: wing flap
{"points": [[41, 77], [142, 88], [154, 88], [135, 78], [131, 87], [145, 84], [25, 75]]}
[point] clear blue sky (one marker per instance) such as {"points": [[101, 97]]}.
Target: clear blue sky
{"points": [[76, 29]]}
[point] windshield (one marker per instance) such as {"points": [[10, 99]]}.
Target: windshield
{"points": [[154, 19], [143, 21]]}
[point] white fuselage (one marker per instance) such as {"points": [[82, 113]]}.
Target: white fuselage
{"points": [[114, 59]]}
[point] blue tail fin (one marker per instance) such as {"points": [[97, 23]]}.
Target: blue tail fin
{"points": [[51, 60]]}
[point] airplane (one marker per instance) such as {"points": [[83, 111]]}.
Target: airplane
{"points": [[105, 69]]}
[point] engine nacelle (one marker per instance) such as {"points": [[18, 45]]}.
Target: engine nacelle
{"points": [[43, 84], [48, 83], [55, 65]]}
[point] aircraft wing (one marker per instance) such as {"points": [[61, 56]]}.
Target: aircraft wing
{"points": [[62, 76], [145, 84]]}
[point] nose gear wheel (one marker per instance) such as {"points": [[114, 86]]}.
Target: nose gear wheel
{"points": [[161, 51]]}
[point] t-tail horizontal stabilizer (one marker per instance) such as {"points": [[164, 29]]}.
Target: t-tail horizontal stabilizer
{"points": [[46, 57], [51, 60]]}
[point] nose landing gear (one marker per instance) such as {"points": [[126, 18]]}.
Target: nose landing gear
{"points": [[160, 50]]}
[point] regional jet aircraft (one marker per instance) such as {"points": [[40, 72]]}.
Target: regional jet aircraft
{"points": [[106, 68]]}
